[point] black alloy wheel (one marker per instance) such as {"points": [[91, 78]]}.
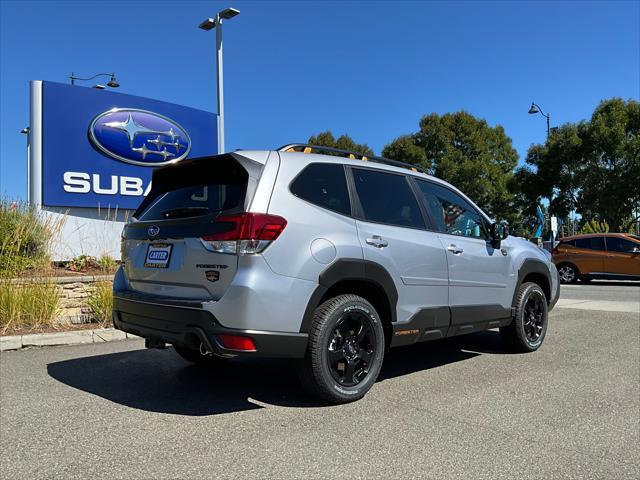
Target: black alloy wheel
{"points": [[534, 316], [351, 348], [345, 350]]}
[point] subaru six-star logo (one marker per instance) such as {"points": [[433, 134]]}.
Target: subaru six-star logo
{"points": [[153, 230], [139, 137]]}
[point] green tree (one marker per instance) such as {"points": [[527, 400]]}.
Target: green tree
{"points": [[593, 226], [592, 167], [344, 142], [467, 152]]}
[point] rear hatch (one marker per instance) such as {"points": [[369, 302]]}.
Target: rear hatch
{"points": [[162, 247]]}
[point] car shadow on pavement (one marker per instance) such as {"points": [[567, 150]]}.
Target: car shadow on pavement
{"points": [[160, 381]]}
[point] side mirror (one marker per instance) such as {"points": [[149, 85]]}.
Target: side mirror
{"points": [[497, 233]]}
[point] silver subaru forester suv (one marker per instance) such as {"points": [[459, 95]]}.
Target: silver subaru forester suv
{"points": [[323, 256]]}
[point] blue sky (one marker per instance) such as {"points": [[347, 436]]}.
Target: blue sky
{"points": [[369, 69]]}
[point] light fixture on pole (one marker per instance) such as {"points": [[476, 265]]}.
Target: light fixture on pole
{"points": [[536, 109], [113, 83], [25, 131], [209, 24]]}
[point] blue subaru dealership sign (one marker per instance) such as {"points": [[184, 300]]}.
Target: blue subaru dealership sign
{"points": [[99, 148]]}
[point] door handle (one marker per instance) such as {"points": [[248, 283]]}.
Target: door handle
{"points": [[377, 241], [455, 250]]}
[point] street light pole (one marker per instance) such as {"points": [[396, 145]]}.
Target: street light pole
{"points": [[209, 24], [536, 109]]}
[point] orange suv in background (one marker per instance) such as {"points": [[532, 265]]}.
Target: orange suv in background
{"points": [[614, 256]]}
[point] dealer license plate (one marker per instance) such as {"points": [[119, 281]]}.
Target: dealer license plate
{"points": [[158, 255]]}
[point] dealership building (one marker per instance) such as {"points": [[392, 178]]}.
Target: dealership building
{"points": [[92, 153]]}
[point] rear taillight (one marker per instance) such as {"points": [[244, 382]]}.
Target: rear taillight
{"points": [[237, 342], [249, 233]]}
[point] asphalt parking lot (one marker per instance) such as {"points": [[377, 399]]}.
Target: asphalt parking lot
{"points": [[459, 408]]}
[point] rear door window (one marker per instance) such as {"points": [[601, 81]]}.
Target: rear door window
{"points": [[592, 243], [324, 185], [387, 198]]}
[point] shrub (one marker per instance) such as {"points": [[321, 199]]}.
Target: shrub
{"points": [[25, 233], [27, 304], [82, 263], [107, 263], [101, 303]]}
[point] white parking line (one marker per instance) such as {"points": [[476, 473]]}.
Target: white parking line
{"points": [[601, 305]]}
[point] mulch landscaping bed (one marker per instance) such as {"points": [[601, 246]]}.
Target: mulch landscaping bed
{"points": [[21, 330], [61, 271]]}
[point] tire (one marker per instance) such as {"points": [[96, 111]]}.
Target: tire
{"points": [[194, 356], [528, 328], [345, 350], [568, 273]]}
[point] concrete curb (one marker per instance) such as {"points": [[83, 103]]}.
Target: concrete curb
{"points": [[75, 337]]}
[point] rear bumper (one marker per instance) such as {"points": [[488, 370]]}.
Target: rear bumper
{"points": [[187, 325]]}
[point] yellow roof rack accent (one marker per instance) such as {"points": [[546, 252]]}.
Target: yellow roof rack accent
{"points": [[306, 148]]}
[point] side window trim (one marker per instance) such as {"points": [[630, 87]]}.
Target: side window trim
{"points": [[422, 201], [358, 211], [426, 214]]}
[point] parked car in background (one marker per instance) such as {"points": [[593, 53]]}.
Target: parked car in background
{"points": [[614, 256]]}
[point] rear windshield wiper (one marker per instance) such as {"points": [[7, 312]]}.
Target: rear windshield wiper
{"points": [[184, 212]]}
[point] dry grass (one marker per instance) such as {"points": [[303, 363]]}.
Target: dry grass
{"points": [[101, 303], [28, 304], [25, 235]]}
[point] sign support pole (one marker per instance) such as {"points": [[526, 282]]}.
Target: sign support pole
{"points": [[220, 84]]}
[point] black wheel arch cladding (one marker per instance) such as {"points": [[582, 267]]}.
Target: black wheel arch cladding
{"points": [[354, 270], [532, 270]]}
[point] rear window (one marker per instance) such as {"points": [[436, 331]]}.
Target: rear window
{"points": [[324, 185], [592, 243], [192, 189], [196, 200]]}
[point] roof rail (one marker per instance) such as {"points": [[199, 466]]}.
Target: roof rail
{"points": [[306, 148]]}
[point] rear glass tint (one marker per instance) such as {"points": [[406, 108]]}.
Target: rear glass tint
{"points": [[196, 200], [325, 185], [201, 187]]}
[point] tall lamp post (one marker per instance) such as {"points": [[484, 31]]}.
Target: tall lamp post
{"points": [[209, 24], [536, 109]]}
